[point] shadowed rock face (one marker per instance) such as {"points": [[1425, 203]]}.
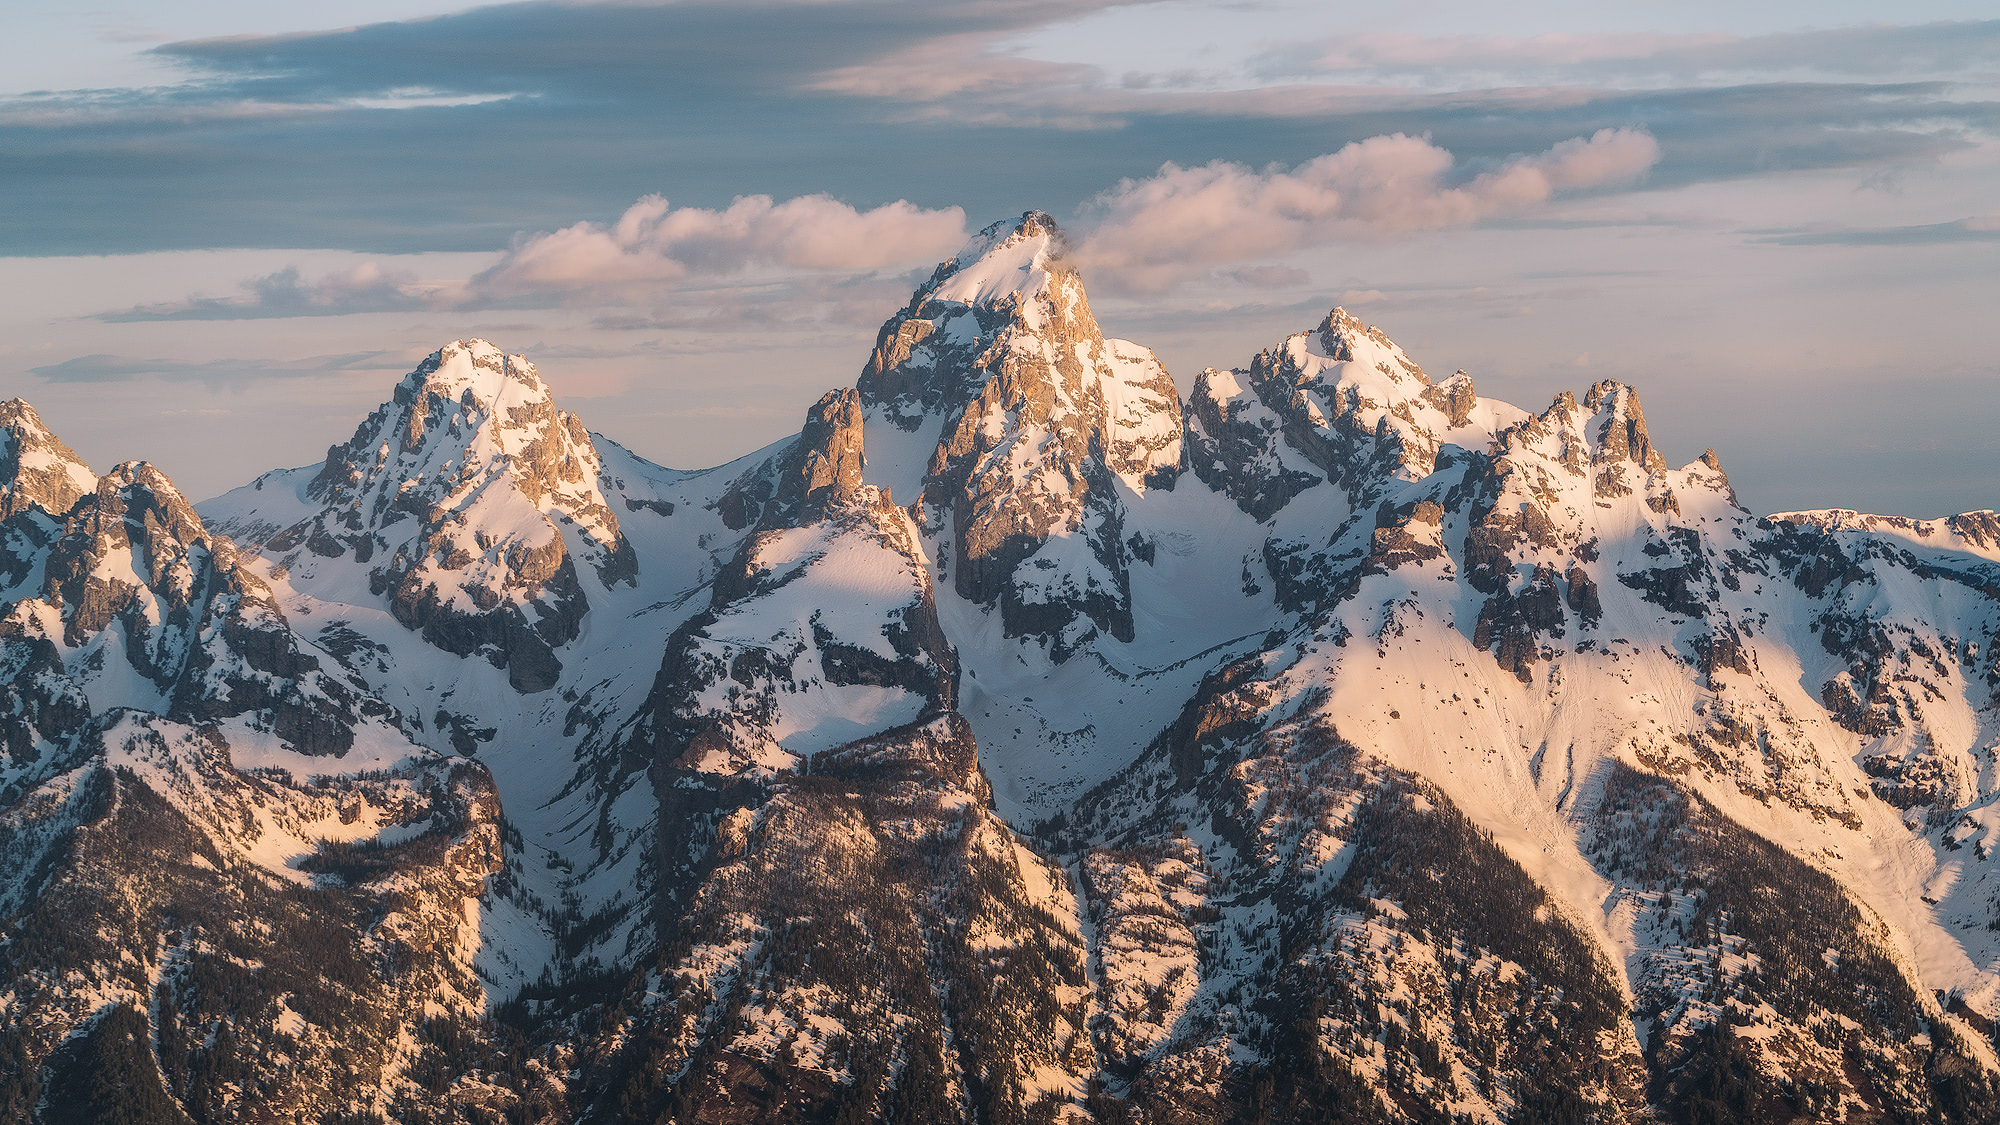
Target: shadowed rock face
{"points": [[132, 567], [473, 501]]}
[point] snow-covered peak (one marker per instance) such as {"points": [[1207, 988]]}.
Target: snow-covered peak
{"points": [[996, 399], [1340, 403], [466, 496], [1008, 290], [1008, 261], [36, 468], [1343, 338], [147, 495], [1356, 362], [477, 371], [468, 415]]}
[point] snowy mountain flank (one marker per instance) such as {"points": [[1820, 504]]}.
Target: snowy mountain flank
{"points": [[1023, 741]]}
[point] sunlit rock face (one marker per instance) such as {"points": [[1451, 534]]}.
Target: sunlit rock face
{"points": [[37, 469], [1045, 429]]}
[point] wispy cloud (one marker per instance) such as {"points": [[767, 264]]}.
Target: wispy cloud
{"points": [[1978, 228], [1630, 60], [368, 287], [1181, 221], [122, 369]]}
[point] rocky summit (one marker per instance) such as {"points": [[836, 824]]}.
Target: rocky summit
{"points": [[1023, 741]]}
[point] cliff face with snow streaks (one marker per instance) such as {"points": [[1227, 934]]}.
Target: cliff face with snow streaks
{"points": [[1021, 741]]}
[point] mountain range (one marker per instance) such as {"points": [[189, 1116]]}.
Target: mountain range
{"points": [[1022, 741]]}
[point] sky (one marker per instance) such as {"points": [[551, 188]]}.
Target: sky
{"points": [[228, 227]]}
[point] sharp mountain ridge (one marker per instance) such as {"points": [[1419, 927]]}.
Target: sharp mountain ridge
{"points": [[1023, 740]]}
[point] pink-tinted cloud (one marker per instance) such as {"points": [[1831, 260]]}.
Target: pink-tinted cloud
{"points": [[636, 259], [1182, 221], [367, 287], [657, 242]]}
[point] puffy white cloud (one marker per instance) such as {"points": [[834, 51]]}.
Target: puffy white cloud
{"points": [[657, 242], [1182, 221], [636, 259]]}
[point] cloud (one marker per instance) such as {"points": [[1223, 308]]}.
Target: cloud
{"points": [[656, 242], [367, 287], [1142, 234], [1630, 60], [640, 257], [514, 116], [120, 369], [1978, 228], [1267, 277], [1169, 226]]}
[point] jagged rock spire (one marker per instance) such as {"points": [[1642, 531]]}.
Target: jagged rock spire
{"points": [[36, 468], [1341, 404], [824, 466], [1620, 425], [1041, 418]]}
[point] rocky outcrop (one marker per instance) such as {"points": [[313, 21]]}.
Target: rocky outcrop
{"points": [[140, 606], [1514, 623], [865, 940], [1236, 444], [1045, 426], [823, 469], [36, 468], [1351, 408], [238, 944], [824, 618], [475, 506]]}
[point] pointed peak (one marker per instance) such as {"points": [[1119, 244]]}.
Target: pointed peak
{"points": [[1610, 394], [22, 427], [1455, 396], [1340, 320], [1343, 338], [1008, 260], [1035, 224], [36, 468], [475, 373], [1621, 433], [824, 468], [135, 488], [17, 412], [127, 473]]}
